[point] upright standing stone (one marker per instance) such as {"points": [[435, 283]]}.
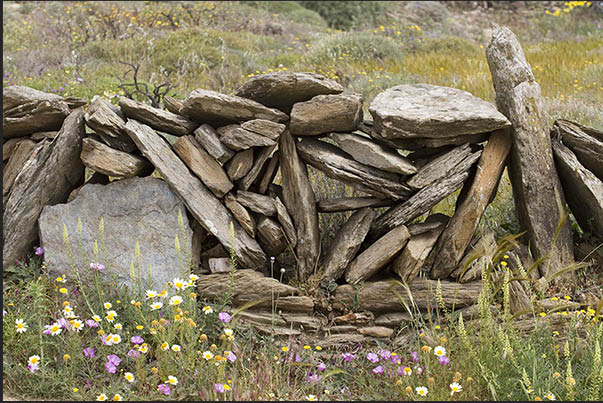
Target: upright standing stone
{"points": [[299, 199], [539, 198], [47, 179]]}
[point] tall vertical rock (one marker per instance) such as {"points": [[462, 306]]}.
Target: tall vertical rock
{"points": [[539, 198]]}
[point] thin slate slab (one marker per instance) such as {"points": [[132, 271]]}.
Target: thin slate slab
{"points": [[262, 156], [202, 204], [370, 153], [300, 201], [411, 111], [129, 209], [205, 106], [49, 177], [286, 222], [241, 214], [283, 89], [109, 123], [239, 165], [539, 198], [270, 173], [583, 143], [271, 236], [238, 139], [326, 113], [209, 139], [340, 204], [264, 127], [256, 202], [439, 167], [157, 118], [24, 151], [111, 162]]}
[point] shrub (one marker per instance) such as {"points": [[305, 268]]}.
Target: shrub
{"points": [[346, 14], [358, 47]]}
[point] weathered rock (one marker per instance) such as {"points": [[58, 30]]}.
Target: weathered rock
{"points": [[108, 161], [299, 199], [96, 178], [413, 111], [269, 174], [209, 139], [519, 299], [157, 118], [241, 214], [433, 222], [283, 89], [344, 339], [38, 136], [418, 204], [355, 318], [53, 171], [127, 221], [75, 102], [238, 139], [293, 303], [326, 113], [172, 104], [206, 106], [408, 263], [256, 202], [276, 331], [239, 165], [302, 322], [372, 154], [550, 304], [203, 165], [202, 204], [220, 265], [107, 121], [25, 151], [377, 256], [248, 285], [258, 164], [271, 236], [390, 296], [584, 191], [476, 258], [393, 319], [376, 331], [587, 148], [338, 165], [265, 128], [9, 146], [439, 168], [345, 244], [286, 222], [455, 239], [261, 318], [26, 111], [538, 195], [350, 203]]}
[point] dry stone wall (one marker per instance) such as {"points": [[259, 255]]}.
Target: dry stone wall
{"points": [[421, 143]]}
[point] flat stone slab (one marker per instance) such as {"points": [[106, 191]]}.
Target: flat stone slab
{"points": [[350, 203], [111, 162], [206, 106], [241, 214], [264, 127], [423, 110], [239, 165], [237, 138], [283, 89], [129, 209], [326, 113], [256, 202], [109, 123], [157, 118], [210, 141]]}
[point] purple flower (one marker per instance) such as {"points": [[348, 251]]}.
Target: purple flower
{"points": [[415, 357], [224, 317], [443, 360], [61, 88], [385, 354], [372, 357], [63, 323], [165, 389], [395, 359], [97, 266], [322, 366], [91, 323], [137, 340], [378, 370], [33, 367], [219, 387], [89, 352], [347, 357], [110, 368], [294, 357], [310, 377], [133, 353], [39, 251], [113, 359], [231, 356]]}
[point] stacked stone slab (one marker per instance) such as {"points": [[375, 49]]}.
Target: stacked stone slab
{"points": [[218, 157]]}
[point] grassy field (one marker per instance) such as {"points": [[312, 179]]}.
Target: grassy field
{"points": [[87, 48]]}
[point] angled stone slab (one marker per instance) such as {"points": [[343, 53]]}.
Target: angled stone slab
{"points": [[262, 156], [346, 244], [269, 174], [412, 111], [52, 172], [455, 240], [337, 205], [202, 204], [172, 104], [271, 236], [539, 198], [283, 89], [326, 113], [338, 165], [372, 154], [257, 202], [237, 139], [206, 106], [39, 136], [109, 123], [377, 256], [264, 127], [209, 139], [583, 143], [239, 165], [203, 165], [24, 151], [11, 145], [286, 222], [439, 167], [241, 214], [111, 162], [584, 191], [157, 118], [300, 201]]}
